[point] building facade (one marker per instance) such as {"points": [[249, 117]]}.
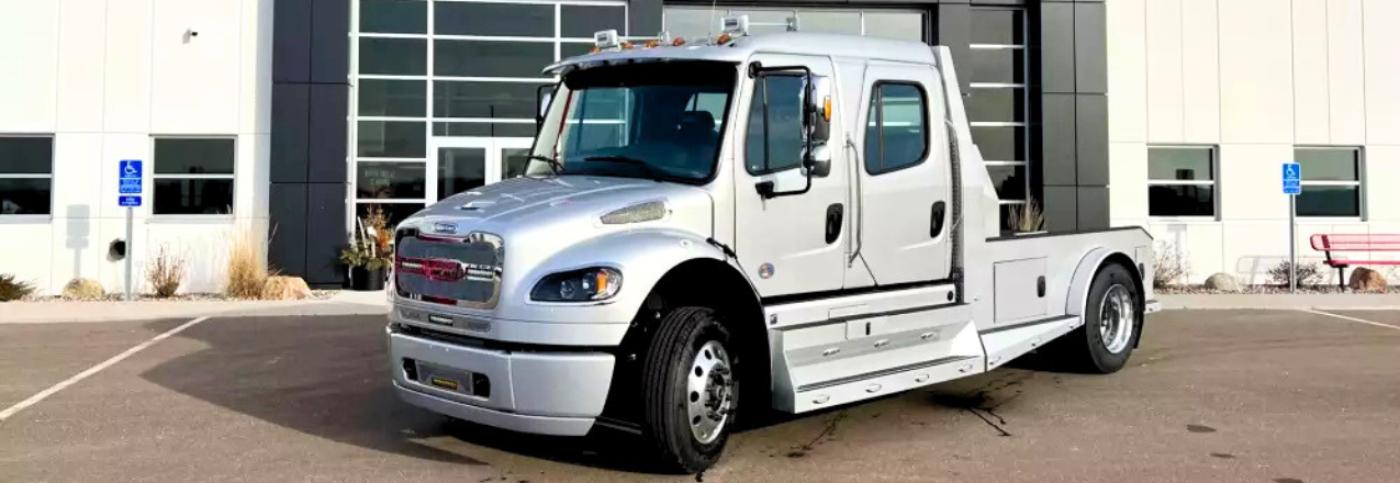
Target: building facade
{"points": [[289, 120]]}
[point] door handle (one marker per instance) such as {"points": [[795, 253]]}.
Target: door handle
{"points": [[834, 215], [936, 219]]}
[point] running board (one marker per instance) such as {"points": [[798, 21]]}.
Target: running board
{"points": [[1010, 341]]}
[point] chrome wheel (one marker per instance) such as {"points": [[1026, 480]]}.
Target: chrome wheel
{"points": [[1117, 318], [709, 392]]}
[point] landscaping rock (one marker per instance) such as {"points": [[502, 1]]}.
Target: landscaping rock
{"points": [[1366, 280], [84, 289], [285, 288], [1222, 282]]}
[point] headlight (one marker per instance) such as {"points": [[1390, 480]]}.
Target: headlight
{"points": [[598, 283]]}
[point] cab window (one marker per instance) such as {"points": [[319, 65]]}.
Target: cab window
{"points": [[896, 133], [774, 141]]}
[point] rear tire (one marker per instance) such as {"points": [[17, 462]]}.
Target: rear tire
{"points": [[1112, 324], [690, 390]]}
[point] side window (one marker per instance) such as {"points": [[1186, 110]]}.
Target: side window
{"points": [[775, 138], [193, 176], [896, 134], [26, 175]]}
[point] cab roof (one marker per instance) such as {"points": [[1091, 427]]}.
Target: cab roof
{"points": [[741, 48]]}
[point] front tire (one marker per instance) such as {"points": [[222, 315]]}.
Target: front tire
{"points": [[1112, 324], [690, 390]]}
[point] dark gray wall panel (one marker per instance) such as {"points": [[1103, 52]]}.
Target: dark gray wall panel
{"points": [[1091, 139], [1090, 51], [289, 141], [644, 17], [287, 208], [1061, 208], [1058, 165], [953, 22], [291, 41], [325, 233], [330, 41], [1093, 207], [327, 133], [1056, 47]]}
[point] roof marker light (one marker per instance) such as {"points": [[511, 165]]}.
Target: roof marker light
{"points": [[735, 26], [606, 40]]}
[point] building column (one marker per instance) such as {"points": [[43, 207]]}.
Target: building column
{"points": [[1071, 115]]}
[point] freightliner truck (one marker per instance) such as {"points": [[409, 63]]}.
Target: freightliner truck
{"points": [[710, 231]]}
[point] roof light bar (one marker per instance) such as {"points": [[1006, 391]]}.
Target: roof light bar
{"points": [[607, 40], [737, 25]]}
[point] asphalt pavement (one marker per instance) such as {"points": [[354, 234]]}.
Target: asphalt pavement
{"points": [[1267, 396]]}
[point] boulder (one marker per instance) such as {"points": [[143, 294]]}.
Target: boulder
{"points": [[1366, 280], [285, 288], [1222, 282], [83, 289]]}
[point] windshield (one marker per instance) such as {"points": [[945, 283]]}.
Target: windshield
{"points": [[658, 120]]}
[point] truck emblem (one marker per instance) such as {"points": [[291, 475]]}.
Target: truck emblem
{"points": [[765, 271], [445, 228]]}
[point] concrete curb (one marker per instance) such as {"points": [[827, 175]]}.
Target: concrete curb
{"points": [[1324, 302], [57, 312]]}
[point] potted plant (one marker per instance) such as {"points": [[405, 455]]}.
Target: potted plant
{"points": [[370, 253], [1026, 219]]}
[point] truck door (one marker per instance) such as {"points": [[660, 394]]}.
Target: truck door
{"points": [[791, 242], [905, 209]]}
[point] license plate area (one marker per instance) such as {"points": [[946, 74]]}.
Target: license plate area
{"points": [[447, 379]]}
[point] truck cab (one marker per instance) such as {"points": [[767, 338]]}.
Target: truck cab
{"points": [[707, 231]]}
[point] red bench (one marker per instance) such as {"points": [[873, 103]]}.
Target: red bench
{"points": [[1328, 243]]}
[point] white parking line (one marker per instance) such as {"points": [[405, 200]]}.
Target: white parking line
{"points": [[1352, 319], [12, 410]]}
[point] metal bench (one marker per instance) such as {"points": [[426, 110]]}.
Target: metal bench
{"points": [[1329, 243]]}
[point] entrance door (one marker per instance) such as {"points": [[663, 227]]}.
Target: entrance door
{"points": [[463, 163]]}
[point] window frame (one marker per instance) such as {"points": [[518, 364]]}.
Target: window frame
{"points": [[1214, 182], [232, 176], [923, 114], [22, 217], [1360, 182]]}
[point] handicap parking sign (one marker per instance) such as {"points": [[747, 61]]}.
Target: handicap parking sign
{"points": [[1292, 178], [129, 176], [129, 201]]}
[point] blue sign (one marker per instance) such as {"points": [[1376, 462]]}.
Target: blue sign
{"points": [[129, 177], [129, 201], [1292, 178]]}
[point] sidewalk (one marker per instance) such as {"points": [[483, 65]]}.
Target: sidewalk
{"points": [[342, 303], [1331, 301]]}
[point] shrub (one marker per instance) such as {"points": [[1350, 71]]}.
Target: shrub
{"points": [[1168, 267], [247, 271], [1026, 218], [164, 273], [12, 289], [1308, 274], [84, 289]]}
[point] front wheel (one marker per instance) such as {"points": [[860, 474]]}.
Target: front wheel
{"points": [[690, 390]]}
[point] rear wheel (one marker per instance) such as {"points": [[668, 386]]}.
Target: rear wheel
{"points": [[1112, 320], [689, 389]]}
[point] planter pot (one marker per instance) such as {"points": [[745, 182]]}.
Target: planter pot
{"points": [[364, 279]]}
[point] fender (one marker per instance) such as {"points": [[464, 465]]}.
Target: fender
{"points": [[1083, 278]]}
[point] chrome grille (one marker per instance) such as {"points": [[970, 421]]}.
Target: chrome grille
{"points": [[457, 271]]}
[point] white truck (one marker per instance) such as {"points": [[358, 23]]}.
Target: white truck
{"points": [[708, 232]]}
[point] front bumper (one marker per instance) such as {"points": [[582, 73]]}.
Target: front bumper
{"points": [[558, 393]]}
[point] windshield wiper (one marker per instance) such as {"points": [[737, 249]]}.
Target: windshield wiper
{"points": [[646, 168], [554, 165]]}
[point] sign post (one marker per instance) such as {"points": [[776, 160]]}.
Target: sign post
{"points": [[129, 196], [1292, 185]]}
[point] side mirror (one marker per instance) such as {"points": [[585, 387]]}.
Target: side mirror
{"points": [[819, 108], [818, 161]]}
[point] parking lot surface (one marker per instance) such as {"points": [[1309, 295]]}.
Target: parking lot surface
{"points": [[1269, 396]]}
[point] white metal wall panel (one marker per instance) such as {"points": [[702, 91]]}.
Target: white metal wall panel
{"points": [[1311, 108], [1256, 72], [28, 65], [83, 43], [1127, 72], [1164, 71], [1346, 72], [1382, 72], [1200, 76], [194, 76]]}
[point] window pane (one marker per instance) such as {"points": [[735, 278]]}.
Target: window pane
{"points": [[997, 105], [691, 23], [193, 196], [26, 155], [478, 58], [1180, 164], [895, 25], [384, 139], [473, 18], [574, 49], [998, 65], [194, 156], [583, 21], [461, 129], [1009, 181], [1328, 164], [460, 169], [1181, 200], [393, 212], [513, 129], [25, 196], [901, 140], [829, 22], [394, 16], [997, 26], [393, 56], [764, 21], [389, 180], [485, 99], [392, 98], [513, 162], [775, 141], [1329, 200], [1000, 143]]}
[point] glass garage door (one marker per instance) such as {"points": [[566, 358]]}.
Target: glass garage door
{"points": [[696, 22]]}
